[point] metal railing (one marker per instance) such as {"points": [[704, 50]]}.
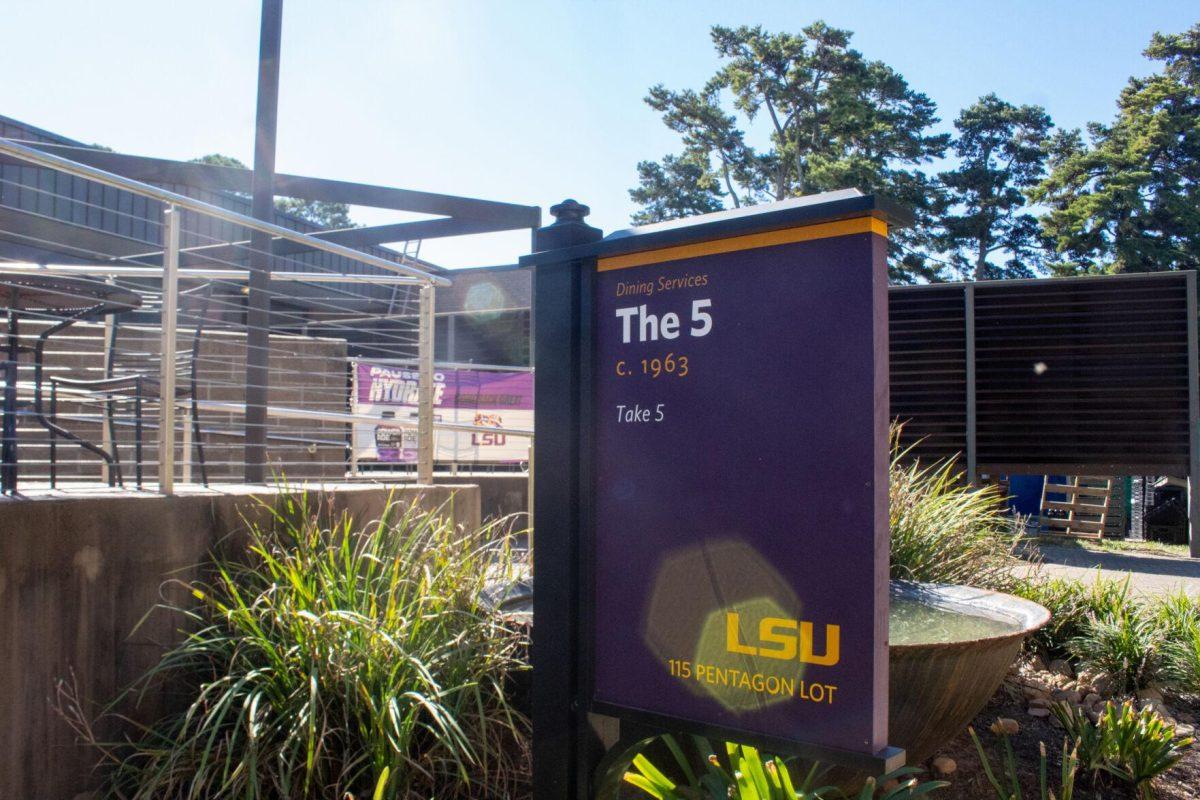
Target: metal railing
{"points": [[348, 295]]}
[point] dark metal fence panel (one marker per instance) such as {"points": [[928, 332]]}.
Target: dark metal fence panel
{"points": [[927, 343], [1074, 376], [1087, 375]]}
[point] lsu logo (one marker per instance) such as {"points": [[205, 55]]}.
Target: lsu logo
{"points": [[785, 639], [488, 439]]}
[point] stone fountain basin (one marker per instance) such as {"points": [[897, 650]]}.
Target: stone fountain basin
{"points": [[937, 688]]}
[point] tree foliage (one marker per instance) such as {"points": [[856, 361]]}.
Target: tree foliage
{"points": [[325, 215], [831, 119], [1128, 199], [988, 229]]}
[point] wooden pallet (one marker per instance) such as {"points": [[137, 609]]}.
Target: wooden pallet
{"points": [[1084, 513]]}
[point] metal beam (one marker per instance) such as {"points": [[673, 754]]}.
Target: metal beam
{"points": [[54, 235], [401, 232], [258, 298], [232, 179], [29, 155], [425, 443]]}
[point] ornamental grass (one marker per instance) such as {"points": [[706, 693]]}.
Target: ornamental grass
{"points": [[945, 531], [333, 660]]}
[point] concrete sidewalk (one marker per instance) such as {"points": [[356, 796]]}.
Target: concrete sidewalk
{"points": [[1148, 574]]}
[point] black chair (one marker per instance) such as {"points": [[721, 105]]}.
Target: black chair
{"points": [[137, 387]]}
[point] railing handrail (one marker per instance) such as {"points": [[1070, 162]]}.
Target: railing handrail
{"points": [[288, 412], [50, 161]]}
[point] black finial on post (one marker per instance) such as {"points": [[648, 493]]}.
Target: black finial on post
{"points": [[568, 227], [569, 210]]}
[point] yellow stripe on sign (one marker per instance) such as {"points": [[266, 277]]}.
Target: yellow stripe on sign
{"points": [[805, 233]]}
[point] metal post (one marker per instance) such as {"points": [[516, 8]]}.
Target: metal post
{"points": [[1193, 420], [425, 387], [561, 758], [972, 441], [166, 373], [107, 431], [54, 439], [353, 426], [529, 504], [258, 303], [186, 448], [8, 471]]}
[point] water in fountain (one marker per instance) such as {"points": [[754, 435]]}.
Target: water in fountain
{"points": [[914, 621]]}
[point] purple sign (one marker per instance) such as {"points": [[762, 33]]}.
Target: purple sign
{"points": [[453, 388], [740, 544], [483, 398]]}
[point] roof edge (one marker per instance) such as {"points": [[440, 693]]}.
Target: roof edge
{"points": [[808, 210]]}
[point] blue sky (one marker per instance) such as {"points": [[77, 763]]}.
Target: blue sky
{"points": [[522, 101]]}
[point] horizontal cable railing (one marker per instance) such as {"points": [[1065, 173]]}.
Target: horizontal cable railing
{"points": [[135, 361]]}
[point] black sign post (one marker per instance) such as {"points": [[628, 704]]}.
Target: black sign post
{"points": [[711, 499]]}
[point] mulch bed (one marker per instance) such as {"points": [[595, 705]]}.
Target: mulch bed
{"points": [[969, 782]]}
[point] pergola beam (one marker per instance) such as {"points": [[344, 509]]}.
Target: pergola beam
{"points": [[399, 232], [50, 233], [218, 178]]}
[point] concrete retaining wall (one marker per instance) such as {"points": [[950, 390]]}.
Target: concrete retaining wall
{"points": [[501, 493], [76, 576]]}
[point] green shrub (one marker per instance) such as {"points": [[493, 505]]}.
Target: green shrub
{"points": [[333, 660], [745, 774], [1177, 613], [1123, 645], [1073, 604], [944, 531], [1181, 660]]}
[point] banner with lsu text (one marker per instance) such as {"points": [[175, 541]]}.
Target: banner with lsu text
{"points": [[486, 398]]}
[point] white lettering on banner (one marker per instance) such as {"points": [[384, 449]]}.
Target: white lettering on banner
{"points": [[403, 391], [390, 394]]}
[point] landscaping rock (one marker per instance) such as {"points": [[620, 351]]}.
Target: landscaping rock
{"points": [[1041, 713], [1040, 702], [1157, 706], [1005, 725], [1035, 693], [1103, 684], [1091, 699], [1150, 694], [1037, 663], [1060, 666], [1183, 730], [944, 765]]}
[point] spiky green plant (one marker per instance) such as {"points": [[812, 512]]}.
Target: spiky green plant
{"points": [[745, 774], [333, 659], [1132, 746], [1086, 738], [1176, 613], [1140, 745], [1073, 604], [1181, 659], [944, 531], [1007, 783], [1123, 645]]}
